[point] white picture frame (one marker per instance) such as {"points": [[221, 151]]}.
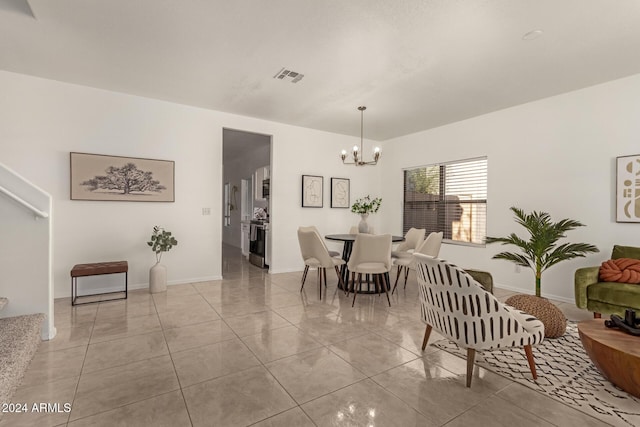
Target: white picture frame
{"points": [[628, 188]]}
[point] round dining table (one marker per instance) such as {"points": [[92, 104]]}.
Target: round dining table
{"points": [[348, 240]]}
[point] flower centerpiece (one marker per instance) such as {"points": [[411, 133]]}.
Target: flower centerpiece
{"points": [[364, 206]]}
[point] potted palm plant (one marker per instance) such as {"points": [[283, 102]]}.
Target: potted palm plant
{"points": [[161, 241], [540, 252]]}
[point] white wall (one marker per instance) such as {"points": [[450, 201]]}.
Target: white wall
{"points": [[26, 247], [41, 121], [556, 155]]}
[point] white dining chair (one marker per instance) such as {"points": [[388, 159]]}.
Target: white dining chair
{"points": [[315, 255], [314, 228], [413, 239], [371, 255], [430, 247]]}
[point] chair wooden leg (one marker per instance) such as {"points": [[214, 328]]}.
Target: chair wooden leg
{"points": [[471, 355], [304, 276], [532, 363], [397, 277], [406, 274], [425, 340], [385, 285], [353, 283], [324, 274], [355, 291], [376, 283], [597, 315], [340, 281], [320, 281]]}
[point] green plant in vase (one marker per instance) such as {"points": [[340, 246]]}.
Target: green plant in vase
{"points": [[364, 206], [161, 241]]}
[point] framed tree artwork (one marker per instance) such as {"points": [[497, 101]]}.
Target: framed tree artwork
{"points": [[340, 193], [628, 188], [312, 191], [103, 177]]}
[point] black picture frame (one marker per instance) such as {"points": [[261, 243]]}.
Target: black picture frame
{"points": [[312, 191], [340, 193]]}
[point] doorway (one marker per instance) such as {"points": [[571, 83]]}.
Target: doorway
{"points": [[246, 162]]}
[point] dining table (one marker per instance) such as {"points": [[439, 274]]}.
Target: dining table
{"points": [[348, 240]]}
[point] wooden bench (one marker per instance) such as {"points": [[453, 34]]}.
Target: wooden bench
{"points": [[97, 269]]}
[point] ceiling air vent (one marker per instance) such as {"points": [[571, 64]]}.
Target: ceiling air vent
{"points": [[293, 75]]}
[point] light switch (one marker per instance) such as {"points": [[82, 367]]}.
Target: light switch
{"points": [[206, 211]]}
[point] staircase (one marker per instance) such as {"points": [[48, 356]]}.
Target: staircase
{"points": [[19, 340]]}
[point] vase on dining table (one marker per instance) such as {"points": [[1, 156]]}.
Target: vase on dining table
{"points": [[363, 227]]}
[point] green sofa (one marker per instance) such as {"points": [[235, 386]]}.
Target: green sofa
{"points": [[607, 297]]}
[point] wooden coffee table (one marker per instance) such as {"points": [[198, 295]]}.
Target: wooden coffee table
{"points": [[615, 353]]}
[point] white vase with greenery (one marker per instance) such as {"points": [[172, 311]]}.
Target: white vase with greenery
{"points": [[161, 241], [364, 207]]}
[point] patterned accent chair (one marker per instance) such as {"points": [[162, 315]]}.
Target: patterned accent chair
{"points": [[460, 309]]}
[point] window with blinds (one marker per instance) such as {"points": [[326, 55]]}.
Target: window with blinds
{"points": [[448, 197]]}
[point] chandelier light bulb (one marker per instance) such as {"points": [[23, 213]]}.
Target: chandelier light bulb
{"points": [[355, 148], [344, 152], [376, 150]]}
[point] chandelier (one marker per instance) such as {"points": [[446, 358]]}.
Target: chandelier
{"points": [[358, 160]]}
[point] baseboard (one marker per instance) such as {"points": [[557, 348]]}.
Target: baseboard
{"points": [[192, 280], [284, 270], [528, 292], [47, 334]]}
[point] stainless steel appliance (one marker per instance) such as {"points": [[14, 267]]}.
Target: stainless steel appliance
{"points": [[258, 243], [266, 184]]}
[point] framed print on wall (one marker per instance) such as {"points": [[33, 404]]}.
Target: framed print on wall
{"points": [[628, 188], [103, 177], [312, 191], [340, 193]]}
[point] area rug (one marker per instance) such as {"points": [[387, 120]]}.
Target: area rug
{"points": [[565, 373]]}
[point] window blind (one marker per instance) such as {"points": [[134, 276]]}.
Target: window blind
{"points": [[448, 197]]}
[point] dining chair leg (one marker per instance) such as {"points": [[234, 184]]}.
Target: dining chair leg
{"points": [[471, 355], [385, 285], [406, 274], [532, 363], [425, 340], [397, 277], [376, 281], [353, 283], [320, 281], [355, 291], [324, 275], [340, 281], [304, 276]]}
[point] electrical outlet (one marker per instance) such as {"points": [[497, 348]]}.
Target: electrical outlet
{"points": [[206, 211]]}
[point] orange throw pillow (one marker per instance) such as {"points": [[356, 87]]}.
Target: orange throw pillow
{"points": [[624, 270]]}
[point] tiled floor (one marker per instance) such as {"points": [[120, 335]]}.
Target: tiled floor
{"points": [[252, 350]]}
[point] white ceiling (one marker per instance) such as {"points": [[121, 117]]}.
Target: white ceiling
{"points": [[415, 64]]}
